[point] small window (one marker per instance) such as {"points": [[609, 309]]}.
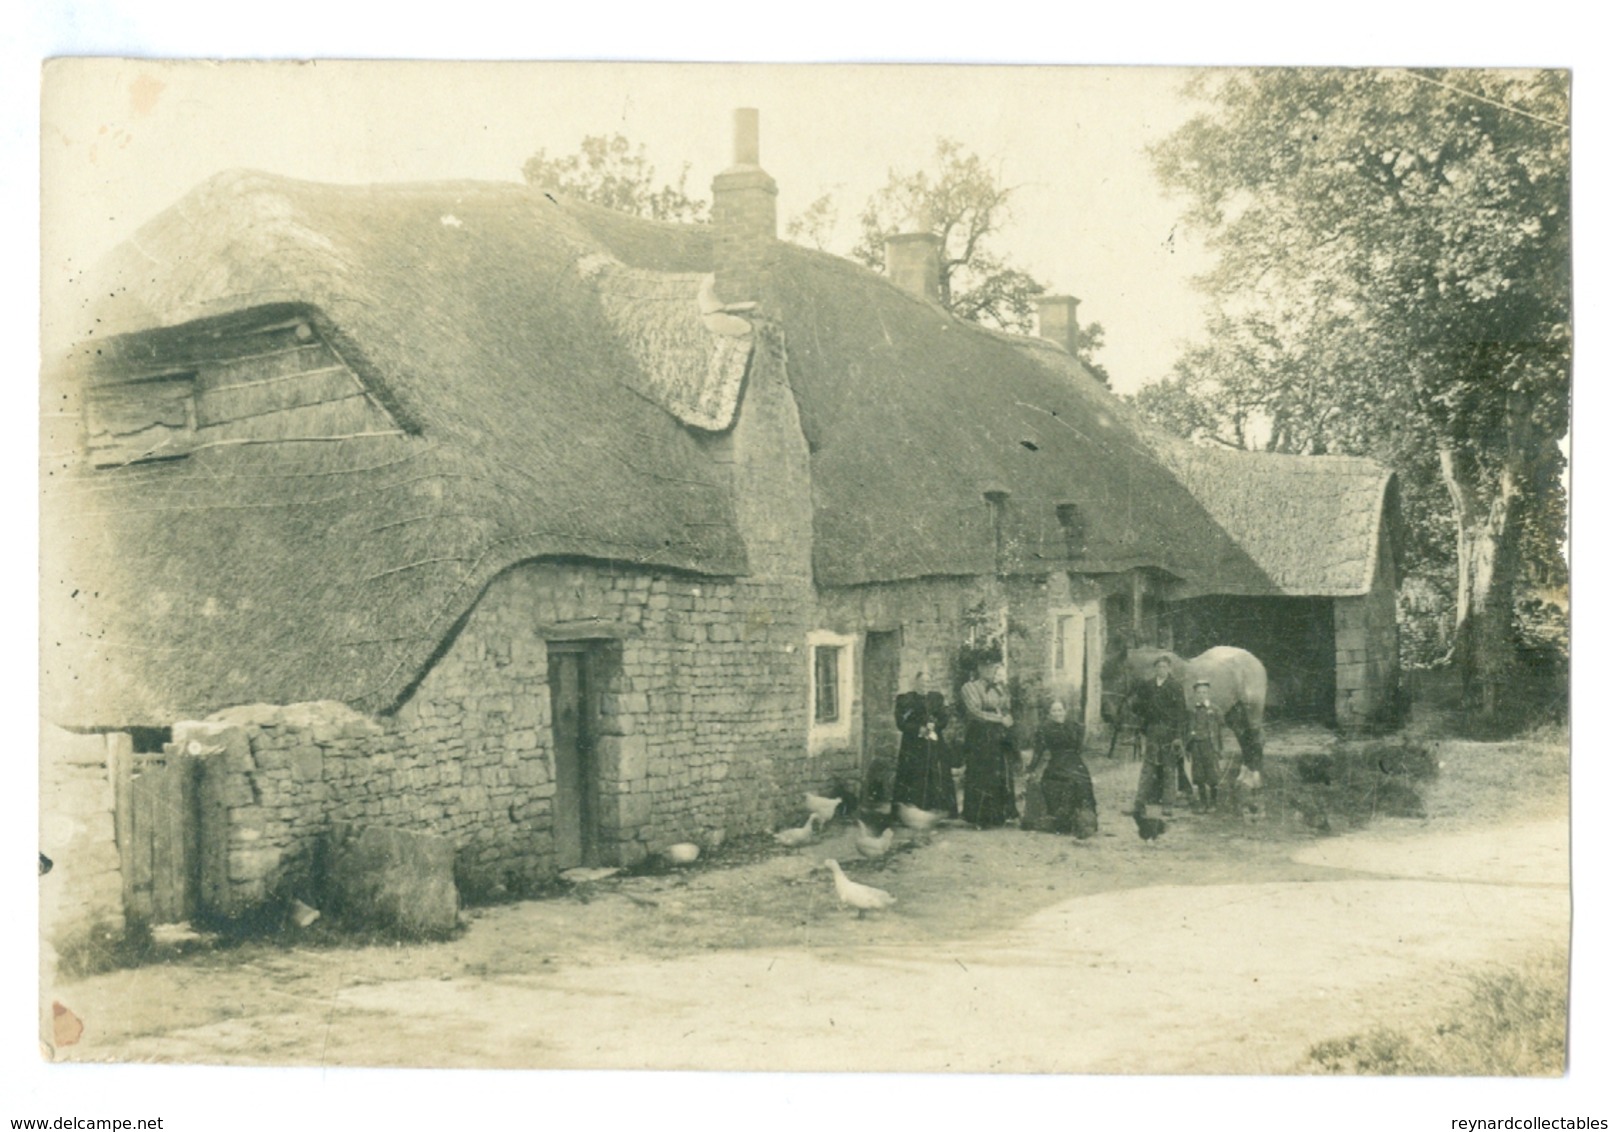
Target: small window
{"points": [[828, 665], [829, 696], [1064, 627], [141, 421]]}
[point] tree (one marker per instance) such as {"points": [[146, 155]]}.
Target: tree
{"points": [[608, 172], [814, 226], [1393, 248], [963, 203]]}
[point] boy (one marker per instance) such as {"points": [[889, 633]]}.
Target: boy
{"points": [[1207, 741]]}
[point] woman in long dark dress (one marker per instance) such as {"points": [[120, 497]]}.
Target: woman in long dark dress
{"points": [[989, 787], [1064, 780], [923, 777]]}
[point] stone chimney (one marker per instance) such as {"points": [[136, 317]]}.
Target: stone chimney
{"points": [[912, 261], [743, 219], [1059, 320]]}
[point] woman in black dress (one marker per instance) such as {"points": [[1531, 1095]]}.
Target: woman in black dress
{"points": [[923, 777], [1064, 780], [990, 791]]}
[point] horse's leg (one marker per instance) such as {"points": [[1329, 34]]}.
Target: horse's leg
{"points": [[1248, 737]]}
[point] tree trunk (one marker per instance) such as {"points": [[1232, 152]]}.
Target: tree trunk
{"points": [[1488, 524]]}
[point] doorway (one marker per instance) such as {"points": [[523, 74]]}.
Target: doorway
{"points": [[879, 687], [575, 669]]}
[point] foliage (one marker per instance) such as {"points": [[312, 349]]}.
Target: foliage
{"points": [[608, 172], [814, 226], [963, 203], [1393, 280]]}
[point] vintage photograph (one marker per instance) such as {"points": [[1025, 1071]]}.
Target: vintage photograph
{"points": [[826, 568]]}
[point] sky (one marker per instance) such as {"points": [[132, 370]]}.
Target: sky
{"points": [[122, 140]]}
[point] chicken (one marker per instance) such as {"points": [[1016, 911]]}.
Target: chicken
{"points": [[873, 846], [823, 808], [803, 835], [1150, 829], [918, 819], [861, 897]]}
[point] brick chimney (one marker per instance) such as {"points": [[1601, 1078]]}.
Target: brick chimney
{"points": [[912, 261], [1059, 320], [743, 219]]}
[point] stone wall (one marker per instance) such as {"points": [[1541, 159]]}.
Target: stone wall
{"points": [[81, 900], [1367, 630], [936, 617]]}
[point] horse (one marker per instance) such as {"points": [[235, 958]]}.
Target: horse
{"points": [[1237, 687]]}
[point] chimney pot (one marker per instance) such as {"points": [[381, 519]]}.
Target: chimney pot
{"points": [[746, 136], [912, 264], [743, 219], [1059, 320]]}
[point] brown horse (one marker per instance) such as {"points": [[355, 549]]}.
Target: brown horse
{"points": [[1237, 686]]}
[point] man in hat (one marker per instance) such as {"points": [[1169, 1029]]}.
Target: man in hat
{"points": [[1160, 707], [1206, 743]]}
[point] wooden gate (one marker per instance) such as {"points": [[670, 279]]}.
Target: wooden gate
{"points": [[157, 822]]}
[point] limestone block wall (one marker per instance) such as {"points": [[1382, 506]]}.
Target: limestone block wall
{"points": [[937, 616], [81, 897]]}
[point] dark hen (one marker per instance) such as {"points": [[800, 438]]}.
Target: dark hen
{"points": [[1150, 829]]}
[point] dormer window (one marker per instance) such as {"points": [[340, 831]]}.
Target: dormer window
{"points": [[142, 420]]}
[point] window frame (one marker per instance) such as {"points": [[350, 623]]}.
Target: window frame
{"points": [[836, 732]]}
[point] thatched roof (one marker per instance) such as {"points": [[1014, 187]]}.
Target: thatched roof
{"points": [[1312, 523], [519, 422], [539, 378], [912, 416]]}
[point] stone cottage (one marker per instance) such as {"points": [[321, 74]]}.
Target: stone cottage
{"points": [[475, 510]]}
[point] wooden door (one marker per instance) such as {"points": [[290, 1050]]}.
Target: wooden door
{"points": [[156, 822], [574, 823], [879, 687]]}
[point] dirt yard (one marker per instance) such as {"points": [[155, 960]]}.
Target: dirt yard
{"points": [[1223, 948]]}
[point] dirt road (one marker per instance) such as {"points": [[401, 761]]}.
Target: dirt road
{"points": [[1213, 951]]}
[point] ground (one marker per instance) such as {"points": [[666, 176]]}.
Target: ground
{"points": [[1222, 948]]}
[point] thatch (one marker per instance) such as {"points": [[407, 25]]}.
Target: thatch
{"points": [[505, 418], [913, 416], [1313, 523], [517, 377]]}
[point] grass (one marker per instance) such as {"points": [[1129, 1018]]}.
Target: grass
{"points": [[1512, 778], [1514, 1024]]}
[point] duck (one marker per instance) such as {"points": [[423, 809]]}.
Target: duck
{"points": [[821, 807], [918, 819], [873, 846], [860, 897], [802, 835]]}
